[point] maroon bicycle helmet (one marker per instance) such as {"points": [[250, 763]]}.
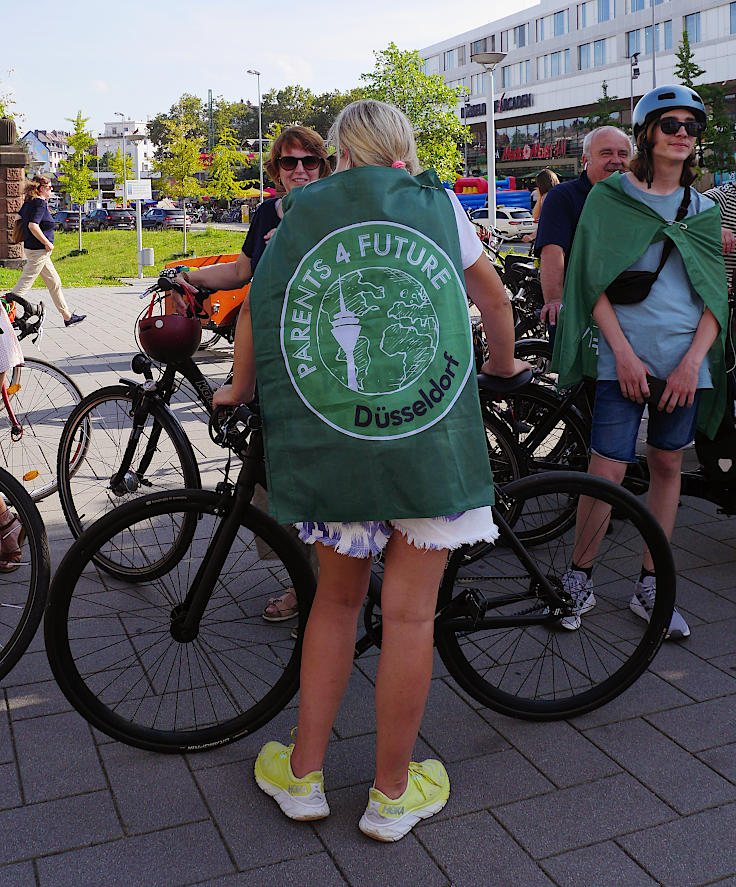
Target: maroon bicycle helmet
{"points": [[169, 338]]}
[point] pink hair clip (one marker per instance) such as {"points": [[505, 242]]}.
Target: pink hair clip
{"points": [[398, 164]]}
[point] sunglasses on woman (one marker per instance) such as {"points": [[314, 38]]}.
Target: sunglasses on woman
{"points": [[309, 162], [671, 125]]}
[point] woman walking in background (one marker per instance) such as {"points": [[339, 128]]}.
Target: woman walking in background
{"points": [[38, 242]]}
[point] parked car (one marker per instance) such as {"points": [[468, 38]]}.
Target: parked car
{"points": [[66, 220], [100, 219], [159, 218], [513, 221]]}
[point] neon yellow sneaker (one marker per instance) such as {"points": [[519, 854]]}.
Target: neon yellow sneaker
{"points": [[426, 793], [298, 798]]}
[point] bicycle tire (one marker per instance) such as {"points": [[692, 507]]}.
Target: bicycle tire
{"points": [[100, 428], [43, 401], [23, 592], [111, 649], [541, 671]]}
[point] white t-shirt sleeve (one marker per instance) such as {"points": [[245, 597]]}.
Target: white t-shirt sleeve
{"points": [[470, 245]]}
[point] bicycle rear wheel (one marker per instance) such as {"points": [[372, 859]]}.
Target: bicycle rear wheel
{"points": [[42, 397], [110, 644], [91, 451], [509, 653], [23, 591]]}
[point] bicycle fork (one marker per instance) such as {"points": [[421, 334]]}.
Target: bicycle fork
{"points": [[186, 616], [127, 480]]}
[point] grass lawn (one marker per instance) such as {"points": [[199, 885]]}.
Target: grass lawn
{"points": [[112, 254]]}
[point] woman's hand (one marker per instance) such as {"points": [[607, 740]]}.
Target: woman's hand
{"points": [[48, 246], [505, 372], [632, 376], [226, 397]]}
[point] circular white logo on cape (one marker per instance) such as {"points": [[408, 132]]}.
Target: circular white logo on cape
{"points": [[375, 331]]}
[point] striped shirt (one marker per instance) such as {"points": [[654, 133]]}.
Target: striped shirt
{"points": [[725, 197]]}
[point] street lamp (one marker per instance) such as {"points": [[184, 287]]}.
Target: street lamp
{"points": [[466, 105], [125, 162], [634, 74], [257, 75], [654, 67], [489, 60]]}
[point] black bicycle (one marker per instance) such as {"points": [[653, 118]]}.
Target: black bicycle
{"points": [[177, 658], [23, 587], [125, 440]]}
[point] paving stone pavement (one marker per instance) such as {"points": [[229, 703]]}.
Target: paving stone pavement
{"points": [[641, 792]]}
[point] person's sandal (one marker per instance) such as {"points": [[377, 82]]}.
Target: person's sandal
{"points": [[12, 533], [280, 608]]}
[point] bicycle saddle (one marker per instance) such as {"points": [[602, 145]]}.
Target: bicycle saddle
{"points": [[504, 385]]}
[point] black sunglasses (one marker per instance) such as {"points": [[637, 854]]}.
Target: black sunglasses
{"points": [[671, 125], [309, 162]]}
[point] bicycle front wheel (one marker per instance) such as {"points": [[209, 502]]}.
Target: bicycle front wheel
{"points": [[42, 398], [509, 651], [111, 646], [95, 444], [23, 590]]}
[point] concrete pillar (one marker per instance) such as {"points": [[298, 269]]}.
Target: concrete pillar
{"points": [[12, 178]]}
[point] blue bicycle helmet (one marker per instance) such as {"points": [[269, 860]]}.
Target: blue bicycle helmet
{"points": [[666, 98]]}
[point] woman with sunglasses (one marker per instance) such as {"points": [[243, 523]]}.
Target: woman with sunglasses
{"points": [[38, 243], [647, 264], [297, 157]]}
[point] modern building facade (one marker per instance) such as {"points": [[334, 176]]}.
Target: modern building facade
{"points": [[138, 145], [557, 57]]}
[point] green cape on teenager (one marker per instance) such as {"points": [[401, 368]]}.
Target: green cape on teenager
{"points": [[614, 231], [363, 354]]}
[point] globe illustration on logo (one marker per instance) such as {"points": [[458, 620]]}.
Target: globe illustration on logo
{"points": [[377, 330]]}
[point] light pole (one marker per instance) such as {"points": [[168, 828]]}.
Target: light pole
{"points": [[99, 187], [466, 105], [489, 60], [654, 68], [125, 161], [634, 75], [257, 75]]}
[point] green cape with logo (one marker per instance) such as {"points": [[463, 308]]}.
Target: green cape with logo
{"points": [[363, 354], [614, 231]]}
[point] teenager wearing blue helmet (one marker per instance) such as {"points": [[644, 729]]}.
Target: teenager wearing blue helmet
{"points": [[646, 266]]}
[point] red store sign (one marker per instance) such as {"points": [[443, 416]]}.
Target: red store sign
{"points": [[536, 151]]}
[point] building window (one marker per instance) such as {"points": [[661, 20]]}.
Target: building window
{"points": [[584, 56], [561, 23], [733, 18], [520, 36], [524, 72], [599, 53], [692, 26], [432, 65], [604, 10], [450, 60], [582, 17], [478, 46], [633, 43], [648, 39], [478, 84], [637, 5], [668, 34], [506, 78]]}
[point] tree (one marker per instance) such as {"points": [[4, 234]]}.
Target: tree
{"points": [[605, 109], [116, 167], [326, 107], [719, 133], [427, 101], [686, 70], [190, 111], [180, 163], [226, 159], [75, 174]]}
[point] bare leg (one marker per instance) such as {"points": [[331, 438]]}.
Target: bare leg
{"points": [[593, 515], [327, 656], [408, 602], [664, 490]]}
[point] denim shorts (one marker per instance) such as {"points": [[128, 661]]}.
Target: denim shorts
{"points": [[616, 421], [369, 538]]}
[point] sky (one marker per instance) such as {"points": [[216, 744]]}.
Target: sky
{"points": [[139, 57]]}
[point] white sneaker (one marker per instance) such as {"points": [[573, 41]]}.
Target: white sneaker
{"points": [[580, 589], [642, 603]]}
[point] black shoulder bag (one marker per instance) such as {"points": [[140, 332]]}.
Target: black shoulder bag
{"points": [[631, 287]]}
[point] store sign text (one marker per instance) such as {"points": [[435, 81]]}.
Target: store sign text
{"points": [[510, 104], [535, 151]]}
